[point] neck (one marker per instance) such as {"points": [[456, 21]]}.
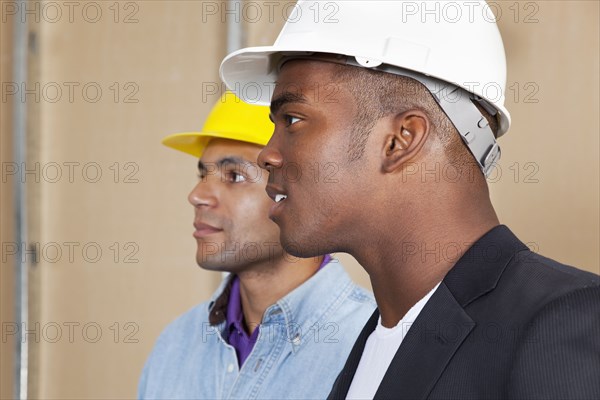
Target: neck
{"points": [[416, 254], [259, 289]]}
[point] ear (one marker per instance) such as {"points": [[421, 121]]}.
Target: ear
{"points": [[408, 135]]}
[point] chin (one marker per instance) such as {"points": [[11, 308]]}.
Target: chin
{"points": [[303, 247], [210, 266], [210, 262], [220, 263]]}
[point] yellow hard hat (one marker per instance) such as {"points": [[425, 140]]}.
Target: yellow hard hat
{"points": [[230, 118]]}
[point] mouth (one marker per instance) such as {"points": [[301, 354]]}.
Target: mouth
{"points": [[203, 229], [279, 196]]}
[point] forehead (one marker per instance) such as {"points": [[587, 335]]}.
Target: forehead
{"points": [[218, 149], [314, 80], [304, 70]]}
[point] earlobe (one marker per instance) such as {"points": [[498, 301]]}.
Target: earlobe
{"points": [[409, 132]]}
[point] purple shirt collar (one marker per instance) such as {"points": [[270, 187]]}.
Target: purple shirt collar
{"points": [[238, 338]]}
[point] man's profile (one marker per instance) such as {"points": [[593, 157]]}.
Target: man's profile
{"points": [[277, 326]]}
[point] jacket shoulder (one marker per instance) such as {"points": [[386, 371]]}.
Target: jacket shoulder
{"points": [[569, 273], [540, 280], [559, 354]]}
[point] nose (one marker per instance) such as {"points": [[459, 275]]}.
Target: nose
{"points": [[269, 157], [203, 194]]}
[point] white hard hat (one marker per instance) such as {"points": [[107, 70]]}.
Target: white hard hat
{"points": [[446, 45]]}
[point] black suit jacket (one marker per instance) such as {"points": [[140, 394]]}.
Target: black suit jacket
{"points": [[504, 323]]}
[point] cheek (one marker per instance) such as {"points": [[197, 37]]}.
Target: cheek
{"points": [[252, 205], [324, 171]]}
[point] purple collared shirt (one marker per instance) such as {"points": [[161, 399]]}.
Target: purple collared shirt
{"points": [[238, 337]]}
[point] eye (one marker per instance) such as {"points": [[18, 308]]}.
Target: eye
{"points": [[234, 177], [290, 120]]}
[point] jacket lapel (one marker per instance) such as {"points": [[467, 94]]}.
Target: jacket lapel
{"points": [[443, 324], [344, 379], [427, 348]]}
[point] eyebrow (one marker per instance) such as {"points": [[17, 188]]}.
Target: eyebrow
{"points": [[222, 162], [285, 98]]}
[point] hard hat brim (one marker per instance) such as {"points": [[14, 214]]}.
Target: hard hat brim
{"points": [[250, 68], [194, 143]]}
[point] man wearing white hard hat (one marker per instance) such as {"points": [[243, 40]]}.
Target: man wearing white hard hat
{"points": [[278, 326], [390, 96]]}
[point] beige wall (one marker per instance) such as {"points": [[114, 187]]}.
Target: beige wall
{"points": [[162, 60], [7, 276], [167, 57], [553, 201]]}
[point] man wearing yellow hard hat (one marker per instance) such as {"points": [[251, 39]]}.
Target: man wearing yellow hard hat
{"points": [[278, 326]]}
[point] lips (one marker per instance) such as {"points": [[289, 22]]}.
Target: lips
{"points": [[203, 229], [279, 196]]}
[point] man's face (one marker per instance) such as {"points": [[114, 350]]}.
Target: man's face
{"points": [[232, 228], [308, 162]]}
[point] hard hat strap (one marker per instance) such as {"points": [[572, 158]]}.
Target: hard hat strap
{"points": [[458, 105], [473, 128]]}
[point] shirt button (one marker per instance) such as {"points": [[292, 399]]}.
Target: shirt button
{"points": [[296, 339], [230, 368]]}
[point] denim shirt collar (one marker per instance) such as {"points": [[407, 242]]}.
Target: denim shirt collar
{"points": [[309, 307], [306, 309], [235, 315]]}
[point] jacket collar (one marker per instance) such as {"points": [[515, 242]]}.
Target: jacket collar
{"points": [[480, 268]]}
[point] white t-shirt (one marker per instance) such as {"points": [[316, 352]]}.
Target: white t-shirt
{"points": [[380, 349]]}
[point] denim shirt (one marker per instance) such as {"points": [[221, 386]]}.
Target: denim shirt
{"points": [[303, 343]]}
